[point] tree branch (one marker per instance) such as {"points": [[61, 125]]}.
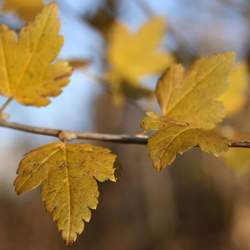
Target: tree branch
{"points": [[139, 139], [127, 139], [5, 105]]}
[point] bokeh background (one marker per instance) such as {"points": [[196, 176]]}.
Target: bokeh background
{"points": [[197, 203]]}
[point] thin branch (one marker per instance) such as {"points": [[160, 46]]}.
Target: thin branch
{"points": [[5, 105], [138, 139], [127, 139]]}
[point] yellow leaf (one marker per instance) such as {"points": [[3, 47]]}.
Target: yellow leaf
{"points": [[190, 108], [25, 9], [191, 96], [68, 174], [28, 72], [238, 159], [133, 55], [171, 139], [235, 97]]}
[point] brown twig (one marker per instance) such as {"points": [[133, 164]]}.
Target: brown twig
{"points": [[139, 139], [5, 105], [128, 139]]}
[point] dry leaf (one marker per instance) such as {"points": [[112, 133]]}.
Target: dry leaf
{"points": [[25, 9], [190, 108], [28, 72], [235, 97], [68, 175], [133, 55]]}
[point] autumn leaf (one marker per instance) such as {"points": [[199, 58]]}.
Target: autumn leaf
{"points": [[28, 72], [191, 96], [190, 107], [175, 139], [26, 10], [68, 175], [134, 55], [235, 97]]}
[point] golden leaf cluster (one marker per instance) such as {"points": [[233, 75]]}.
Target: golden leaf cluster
{"points": [[67, 173], [191, 109], [193, 102]]}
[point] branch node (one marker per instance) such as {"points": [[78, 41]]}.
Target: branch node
{"points": [[67, 135]]}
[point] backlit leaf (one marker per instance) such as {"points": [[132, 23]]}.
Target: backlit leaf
{"points": [[191, 96], [190, 107], [25, 9], [133, 55], [68, 175], [28, 72], [235, 97]]}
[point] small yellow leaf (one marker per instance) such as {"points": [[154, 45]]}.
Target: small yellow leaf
{"points": [[133, 55], [191, 96], [68, 175], [172, 139], [25, 9], [28, 72], [235, 97]]}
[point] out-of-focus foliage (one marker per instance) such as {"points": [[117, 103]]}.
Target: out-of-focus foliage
{"points": [[134, 55], [79, 63], [235, 97], [28, 72], [25, 9], [104, 17], [189, 98], [238, 159], [68, 174]]}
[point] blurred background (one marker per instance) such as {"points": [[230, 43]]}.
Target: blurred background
{"points": [[197, 203]]}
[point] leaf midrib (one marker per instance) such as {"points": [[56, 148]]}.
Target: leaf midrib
{"points": [[29, 60]]}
